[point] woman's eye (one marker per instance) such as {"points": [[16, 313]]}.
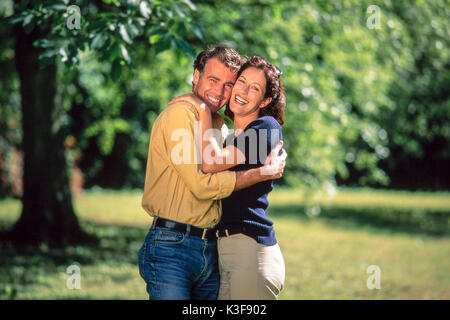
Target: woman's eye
{"points": [[255, 88]]}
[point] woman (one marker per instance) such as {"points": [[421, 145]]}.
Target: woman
{"points": [[250, 261]]}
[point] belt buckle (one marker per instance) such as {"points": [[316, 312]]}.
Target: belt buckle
{"points": [[204, 234]]}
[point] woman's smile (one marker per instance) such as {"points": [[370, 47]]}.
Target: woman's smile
{"points": [[240, 100]]}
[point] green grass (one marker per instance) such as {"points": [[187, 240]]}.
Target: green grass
{"points": [[326, 251]]}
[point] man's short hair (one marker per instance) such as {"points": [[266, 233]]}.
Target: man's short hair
{"points": [[228, 56]]}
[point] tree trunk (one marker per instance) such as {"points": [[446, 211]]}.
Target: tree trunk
{"points": [[47, 210]]}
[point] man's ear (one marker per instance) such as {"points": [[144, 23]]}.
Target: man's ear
{"points": [[265, 102], [196, 77]]}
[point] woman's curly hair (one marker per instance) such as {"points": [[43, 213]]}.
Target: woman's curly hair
{"points": [[274, 89]]}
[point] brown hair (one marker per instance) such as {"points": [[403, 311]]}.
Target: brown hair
{"points": [[227, 55], [274, 89]]}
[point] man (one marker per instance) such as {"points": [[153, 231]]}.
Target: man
{"points": [[178, 259]]}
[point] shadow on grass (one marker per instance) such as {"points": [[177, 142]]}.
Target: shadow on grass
{"points": [[22, 266], [415, 221]]}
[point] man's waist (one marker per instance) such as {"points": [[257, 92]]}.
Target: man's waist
{"points": [[203, 233]]}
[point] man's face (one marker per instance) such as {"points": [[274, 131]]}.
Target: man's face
{"points": [[214, 84]]}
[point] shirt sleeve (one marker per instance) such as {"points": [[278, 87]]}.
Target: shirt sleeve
{"points": [[258, 139], [183, 156]]}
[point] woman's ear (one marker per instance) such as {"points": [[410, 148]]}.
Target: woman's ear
{"points": [[265, 102]]}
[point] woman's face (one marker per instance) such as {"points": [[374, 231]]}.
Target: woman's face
{"points": [[248, 93]]}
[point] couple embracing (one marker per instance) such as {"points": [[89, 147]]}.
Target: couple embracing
{"points": [[210, 237]]}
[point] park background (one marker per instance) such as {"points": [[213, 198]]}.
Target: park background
{"points": [[367, 133]]}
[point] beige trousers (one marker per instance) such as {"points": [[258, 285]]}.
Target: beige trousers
{"points": [[249, 270]]}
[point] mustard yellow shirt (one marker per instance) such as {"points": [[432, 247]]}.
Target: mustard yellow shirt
{"points": [[175, 187]]}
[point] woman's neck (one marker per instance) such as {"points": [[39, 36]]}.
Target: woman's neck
{"points": [[241, 122]]}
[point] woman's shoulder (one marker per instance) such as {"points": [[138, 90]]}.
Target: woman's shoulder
{"points": [[265, 122]]}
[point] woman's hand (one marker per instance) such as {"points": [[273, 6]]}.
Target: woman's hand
{"points": [[192, 99], [274, 165]]}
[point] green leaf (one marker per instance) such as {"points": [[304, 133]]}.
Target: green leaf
{"points": [[49, 53], [44, 43], [189, 4], [180, 11], [198, 30], [154, 38], [131, 29], [110, 53], [184, 46], [145, 9], [125, 54], [157, 30], [163, 44], [29, 23], [116, 70], [16, 18], [156, 34], [124, 34], [180, 29], [98, 41], [57, 7]]}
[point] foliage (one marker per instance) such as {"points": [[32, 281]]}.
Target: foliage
{"points": [[343, 80], [108, 27], [365, 106], [96, 44]]}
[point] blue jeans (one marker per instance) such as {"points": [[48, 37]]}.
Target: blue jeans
{"points": [[178, 266]]}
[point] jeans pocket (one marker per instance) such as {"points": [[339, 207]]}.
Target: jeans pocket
{"points": [[167, 236]]}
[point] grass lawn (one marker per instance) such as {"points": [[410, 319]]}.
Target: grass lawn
{"points": [[327, 246]]}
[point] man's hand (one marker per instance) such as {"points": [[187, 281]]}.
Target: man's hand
{"points": [[274, 165], [192, 99]]}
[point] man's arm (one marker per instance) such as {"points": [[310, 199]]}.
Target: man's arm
{"points": [[179, 149], [273, 169]]}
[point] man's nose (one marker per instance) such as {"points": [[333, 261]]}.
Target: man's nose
{"points": [[219, 90]]}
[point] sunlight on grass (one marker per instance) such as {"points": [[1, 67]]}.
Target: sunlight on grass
{"points": [[327, 263], [365, 198], [113, 208]]}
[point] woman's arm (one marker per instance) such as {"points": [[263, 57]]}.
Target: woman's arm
{"points": [[214, 158]]}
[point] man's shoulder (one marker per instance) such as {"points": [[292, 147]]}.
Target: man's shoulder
{"points": [[179, 109]]}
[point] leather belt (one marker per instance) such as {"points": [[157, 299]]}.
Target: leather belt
{"points": [[230, 231], [203, 233]]}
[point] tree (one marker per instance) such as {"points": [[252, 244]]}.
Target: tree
{"points": [[50, 35]]}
